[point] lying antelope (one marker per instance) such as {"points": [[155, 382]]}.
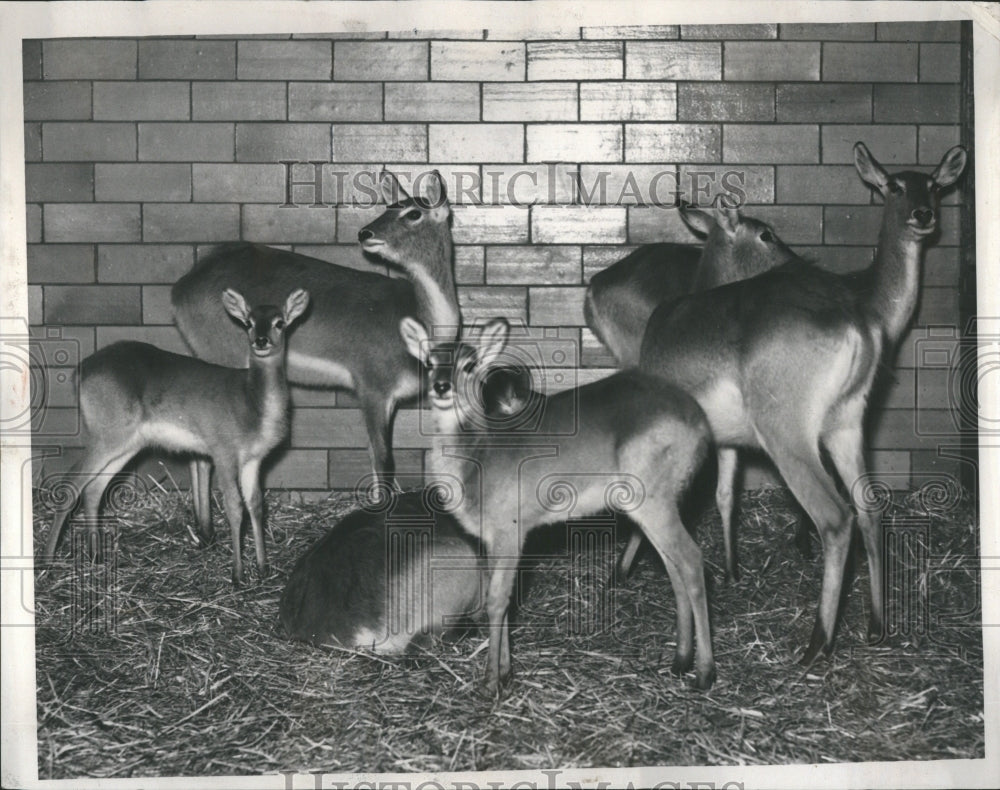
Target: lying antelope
{"points": [[629, 427], [134, 395]]}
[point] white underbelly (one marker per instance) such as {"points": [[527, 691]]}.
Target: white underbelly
{"points": [[318, 371], [723, 404]]}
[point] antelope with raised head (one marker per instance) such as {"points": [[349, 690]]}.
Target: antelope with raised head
{"points": [[353, 312], [629, 429], [785, 361], [134, 395]]}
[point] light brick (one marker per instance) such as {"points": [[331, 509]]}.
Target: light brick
{"points": [[599, 258], [141, 101], [627, 184], [89, 142], [156, 307], [438, 33], [165, 337], [31, 59], [266, 223], [753, 184], [772, 60], [186, 142], [89, 59], [91, 222], [485, 303], [238, 101], [532, 101], [575, 60], [60, 263], [549, 264], [432, 101], [847, 31], [274, 142], [525, 184], [649, 224], [484, 61], [631, 31], [672, 142], [380, 60], [556, 306], [193, 60], [476, 143], [200, 222], [142, 182], [379, 142], [490, 225], [851, 224], [283, 60], [673, 60], [916, 103], [351, 219], [143, 263], [56, 101], [578, 224], [244, 183], [934, 141], [919, 31], [940, 62], [470, 265], [869, 62], [59, 182], [575, 143], [889, 144], [773, 143], [628, 101], [336, 102], [728, 32], [707, 101], [821, 184], [462, 181], [826, 103], [794, 224], [92, 304]]}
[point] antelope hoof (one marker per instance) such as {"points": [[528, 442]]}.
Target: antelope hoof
{"points": [[205, 540], [619, 577], [237, 579], [681, 665], [876, 630], [733, 574], [265, 570], [817, 646], [704, 678]]}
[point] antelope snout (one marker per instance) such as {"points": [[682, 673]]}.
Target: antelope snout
{"points": [[364, 234], [442, 388], [923, 216], [261, 342]]}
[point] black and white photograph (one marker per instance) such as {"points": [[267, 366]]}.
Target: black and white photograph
{"points": [[500, 394]]}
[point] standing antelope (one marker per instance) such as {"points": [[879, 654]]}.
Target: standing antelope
{"points": [[620, 300], [351, 340], [784, 362], [134, 395], [629, 427]]}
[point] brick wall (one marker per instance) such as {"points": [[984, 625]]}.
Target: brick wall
{"points": [[142, 153]]}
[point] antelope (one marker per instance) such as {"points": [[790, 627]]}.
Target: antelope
{"points": [[620, 300], [364, 585], [629, 429], [784, 362], [134, 395], [352, 313]]}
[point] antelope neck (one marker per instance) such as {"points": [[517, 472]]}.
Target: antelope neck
{"points": [[434, 286], [896, 276]]}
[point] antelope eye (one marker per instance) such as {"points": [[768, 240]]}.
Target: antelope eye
{"points": [[895, 188], [412, 215], [767, 237], [279, 324]]}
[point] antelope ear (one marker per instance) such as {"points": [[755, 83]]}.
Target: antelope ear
{"points": [[871, 172], [236, 306], [418, 343], [697, 220], [951, 167], [436, 195], [392, 190], [490, 341], [727, 217], [296, 304]]}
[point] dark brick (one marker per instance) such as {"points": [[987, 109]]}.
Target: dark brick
{"points": [[829, 31], [350, 468], [89, 142], [851, 224], [268, 223], [31, 59], [756, 182], [33, 220], [89, 59], [173, 222], [243, 183], [707, 101], [771, 60], [490, 225], [335, 102], [32, 142], [156, 307], [297, 469], [934, 141], [93, 304], [672, 142], [631, 32], [60, 263], [165, 337], [869, 62], [273, 142], [186, 142], [556, 306], [820, 184], [728, 32], [774, 143], [794, 224], [238, 101], [470, 265], [143, 263], [889, 144], [59, 183], [142, 101], [529, 265], [380, 60], [919, 31], [831, 102], [56, 101], [283, 60], [91, 222], [142, 182], [431, 101], [179, 60], [483, 304], [916, 103], [940, 62]]}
